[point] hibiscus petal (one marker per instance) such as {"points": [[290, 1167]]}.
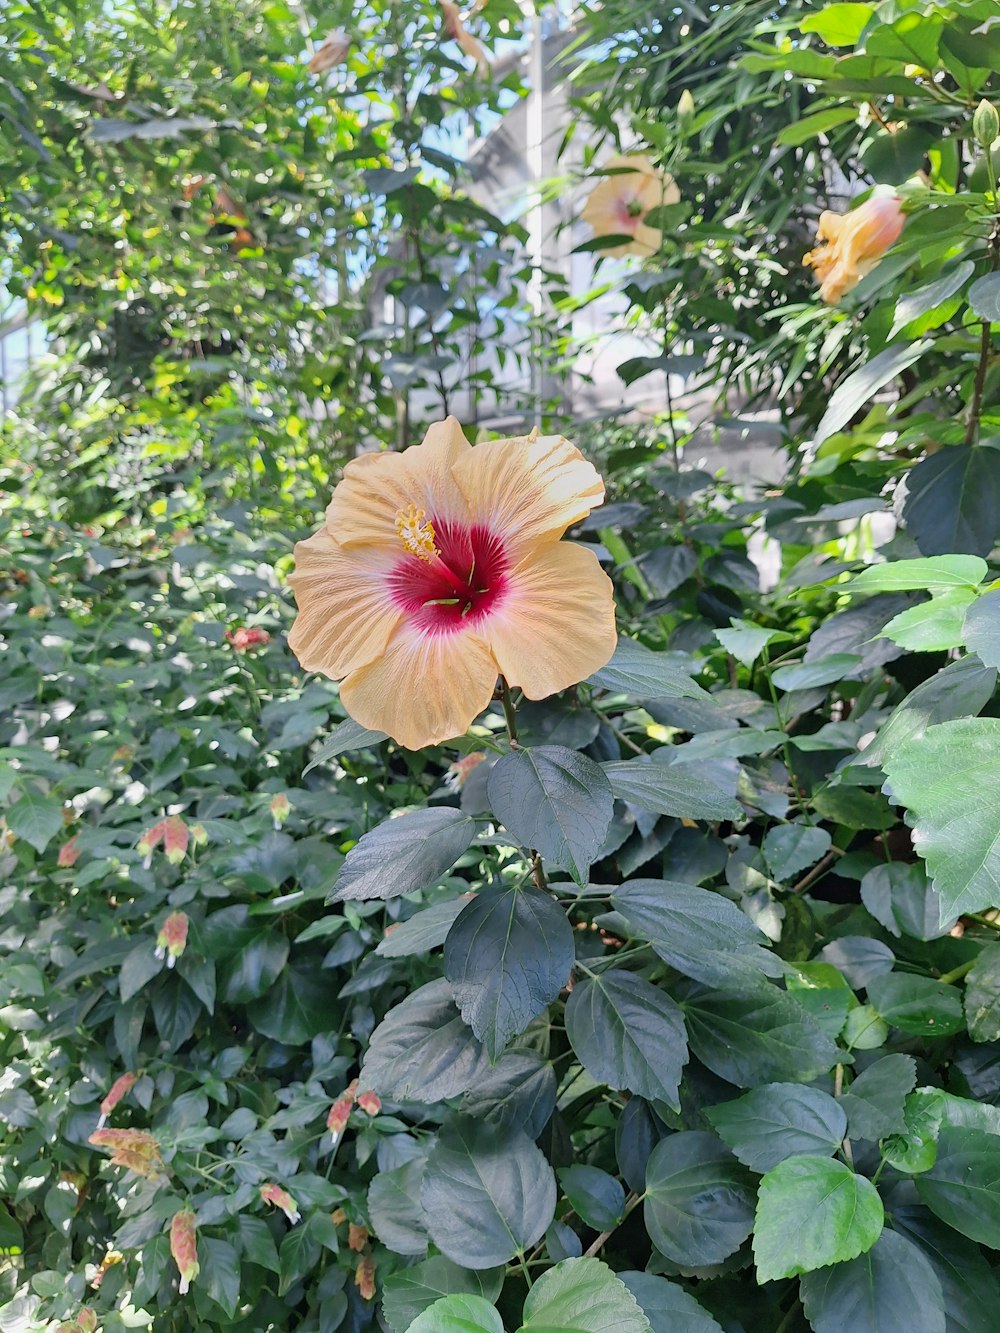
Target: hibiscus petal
{"points": [[425, 688], [345, 609], [556, 626], [528, 490], [375, 486]]}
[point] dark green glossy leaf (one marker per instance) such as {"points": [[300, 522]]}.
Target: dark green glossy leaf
{"points": [[404, 854], [777, 1121], [555, 801], [699, 1199], [891, 1289], [507, 956], [422, 1050], [628, 1034]]}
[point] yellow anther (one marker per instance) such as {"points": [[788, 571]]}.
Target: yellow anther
{"points": [[416, 535]]}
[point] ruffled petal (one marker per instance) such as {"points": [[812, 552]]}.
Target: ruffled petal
{"points": [[375, 487], [527, 490], [346, 613], [557, 624], [425, 688]]}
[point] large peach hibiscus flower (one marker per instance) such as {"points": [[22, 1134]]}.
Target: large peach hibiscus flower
{"points": [[440, 568], [851, 244], [618, 205]]}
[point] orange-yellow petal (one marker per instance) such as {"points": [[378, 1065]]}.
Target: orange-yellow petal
{"points": [[425, 688], [557, 624], [376, 486], [345, 613], [528, 490]]}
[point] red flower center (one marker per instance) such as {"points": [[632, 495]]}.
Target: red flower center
{"points": [[458, 585]]}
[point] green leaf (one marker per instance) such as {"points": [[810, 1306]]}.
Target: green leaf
{"points": [[777, 1121], [582, 1296], [297, 1007], [970, 1285], [891, 1289], [484, 1197], [963, 1185], [810, 675], [952, 500], [932, 626], [423, 931], [853, 808], [982, 630], [960, 689], [667, 1306], [875, 1100], [936, 574], [839, 24], [220, 1268], [458, 1314], [670, 788], [699, 1200], [757, 1035], [394, 1208], [507, 957], [628, 1034], [257, 1243], [410, 1291], [813, 1211], [422, 1051], [35, 818], [642, 674], [698, 932], [912, 305], [596, 1197], [555, 801], [518, 1092], [801, 131], [901, 898], [984, 297], [744, 640], [138, 970], [792, 848], [982, 995], [404, 854], [855, 391], [949, 781], [348, 735], [894, 156]]}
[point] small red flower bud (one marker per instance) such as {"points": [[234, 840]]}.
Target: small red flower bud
{"points": [[172, 939], [281, 1199], [184, 1247]]}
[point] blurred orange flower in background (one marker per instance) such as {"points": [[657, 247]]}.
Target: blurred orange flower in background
{"points": [[851, 244], [440, 568], [619, 204], [459, 33]]}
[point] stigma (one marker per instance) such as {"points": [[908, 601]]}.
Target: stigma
{"points": [[416, 533]]}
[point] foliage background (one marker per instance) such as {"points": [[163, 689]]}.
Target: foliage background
{"points": [[773, 886]]}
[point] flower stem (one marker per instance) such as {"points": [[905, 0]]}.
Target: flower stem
{"points": [[509, 712]]}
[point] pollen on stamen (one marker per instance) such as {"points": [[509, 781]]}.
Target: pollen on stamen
{"points": [[416, 534]]}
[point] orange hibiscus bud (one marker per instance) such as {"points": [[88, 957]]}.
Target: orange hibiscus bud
{"points": [[108, 1262], [333, 52], [242, 639], [442, 566], [370, 1103], [281, 1199], [117, 1091], [458, 772], [184, 1247], [172, 939], [618, 205], [357, 1237], [69, 853], [133, 1149], [281, 808], [851, 244], [364, 1278], [340, 1113], [457, 31]]}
